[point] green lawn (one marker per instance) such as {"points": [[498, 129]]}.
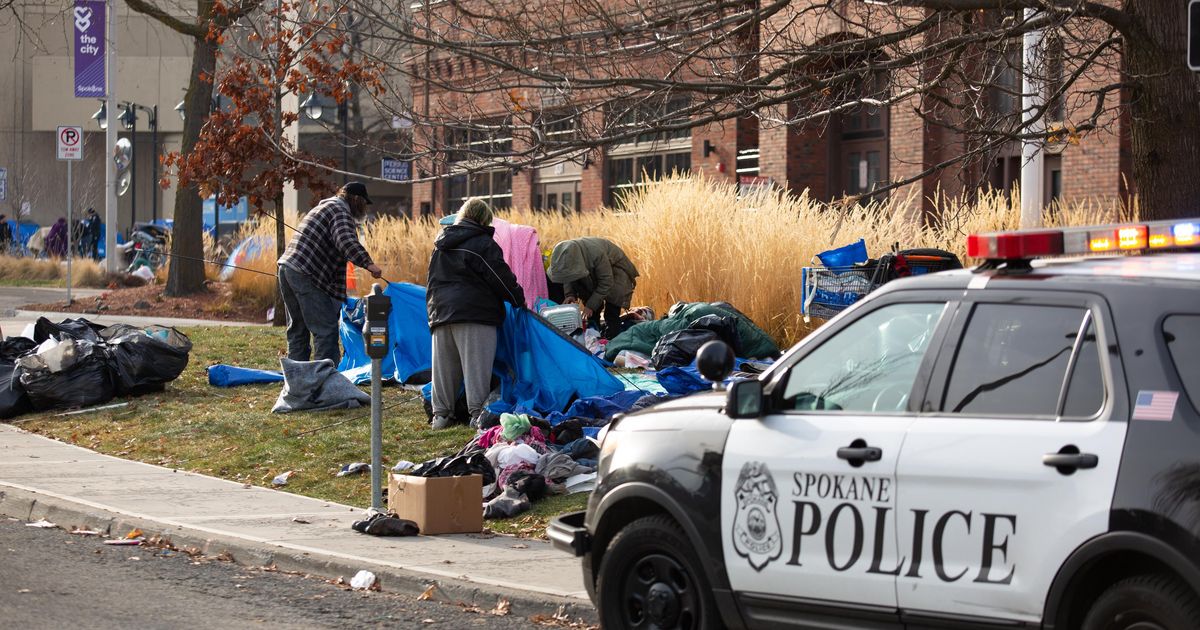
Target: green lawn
{"points": [[231, 433]]}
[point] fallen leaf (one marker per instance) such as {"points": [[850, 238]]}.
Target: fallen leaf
{"points": [[503, 607], [301, 521], [428, 594], [136, 533]]}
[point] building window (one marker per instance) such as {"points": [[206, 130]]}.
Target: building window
{"points": [[627, 173], [478, 141], [558, 128], [557, 196], [493, 186], [653, 116], [862, 140]]}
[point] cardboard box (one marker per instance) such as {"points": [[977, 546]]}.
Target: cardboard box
{"points": [[438, 505]]}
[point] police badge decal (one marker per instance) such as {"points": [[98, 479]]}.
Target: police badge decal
{"points": [[756, 535]]}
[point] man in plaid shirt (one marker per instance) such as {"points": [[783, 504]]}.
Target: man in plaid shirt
{"points": [[312, 272]]}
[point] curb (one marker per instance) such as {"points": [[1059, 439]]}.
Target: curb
{"points": [[30, 506]]}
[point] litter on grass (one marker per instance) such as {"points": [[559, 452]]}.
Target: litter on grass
{"points": [[282, 478]]}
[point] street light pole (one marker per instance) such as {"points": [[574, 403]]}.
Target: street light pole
{"points": [[111, 259], [344, 112], [132, 126]]}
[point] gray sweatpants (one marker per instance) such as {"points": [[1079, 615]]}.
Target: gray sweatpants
{"points": [[462, 352]]}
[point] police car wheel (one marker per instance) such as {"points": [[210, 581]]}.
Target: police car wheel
{"points": [[650, 578], [1145, 602]]}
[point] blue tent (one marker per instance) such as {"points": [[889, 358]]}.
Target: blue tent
{"points": [[540, 369], [408, 331]]}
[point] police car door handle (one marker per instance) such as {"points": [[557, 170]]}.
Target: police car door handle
{"points": [[860, 453], [1070, 460]]}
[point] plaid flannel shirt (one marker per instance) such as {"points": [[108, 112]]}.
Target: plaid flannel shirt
{"points": [[326, 240]]}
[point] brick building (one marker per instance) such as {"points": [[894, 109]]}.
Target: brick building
{"points": [[852, 152]]}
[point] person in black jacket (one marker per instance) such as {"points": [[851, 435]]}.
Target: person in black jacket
{"points": [[468, 285]]}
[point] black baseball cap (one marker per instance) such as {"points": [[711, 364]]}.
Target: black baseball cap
{"points": [[357, 188]]}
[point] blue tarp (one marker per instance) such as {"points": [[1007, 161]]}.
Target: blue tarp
{"points": [[408, 332], [541, 370], [231, 375]]}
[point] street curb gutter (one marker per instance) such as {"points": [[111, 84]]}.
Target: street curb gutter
{"points": [[30, 506]]}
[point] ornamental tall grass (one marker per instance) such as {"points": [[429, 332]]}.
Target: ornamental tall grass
{"points": [[695, 240]]}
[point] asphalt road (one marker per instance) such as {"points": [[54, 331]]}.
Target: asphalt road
{"points": [[52, 579]]}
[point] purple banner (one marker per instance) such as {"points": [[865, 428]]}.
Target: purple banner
{"points": [[88, 18]]}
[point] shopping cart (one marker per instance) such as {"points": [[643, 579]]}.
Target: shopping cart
{"points": [[827, 291]]}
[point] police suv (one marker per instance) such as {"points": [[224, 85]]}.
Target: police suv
{"points": [[1012, 446]]}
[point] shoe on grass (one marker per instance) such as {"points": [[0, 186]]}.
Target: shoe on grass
{"points": [[440, 422]]}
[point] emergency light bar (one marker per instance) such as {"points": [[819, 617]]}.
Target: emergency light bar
{"points": [[1122, 237]]}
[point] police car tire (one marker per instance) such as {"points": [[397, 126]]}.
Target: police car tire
{"points": [[645, 537], [1146, 599]]}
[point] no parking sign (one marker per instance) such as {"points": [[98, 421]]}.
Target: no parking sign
{"points": [[70, 143]]}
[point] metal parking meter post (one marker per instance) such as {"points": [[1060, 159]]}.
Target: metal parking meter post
{"points": [[379, 309]]}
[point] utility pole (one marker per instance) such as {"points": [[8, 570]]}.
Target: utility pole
{"points": [[1033, 106]]}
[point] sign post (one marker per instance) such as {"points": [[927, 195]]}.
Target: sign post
{"points": [[379, 309], [70, 149]]}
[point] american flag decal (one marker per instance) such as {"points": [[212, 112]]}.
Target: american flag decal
{"points": [[1155, 405]]}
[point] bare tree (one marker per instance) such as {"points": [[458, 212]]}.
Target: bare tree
{"points": [[206, 29]]}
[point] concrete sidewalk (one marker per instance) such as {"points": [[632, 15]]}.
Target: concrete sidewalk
{"points": [[72, 486]]}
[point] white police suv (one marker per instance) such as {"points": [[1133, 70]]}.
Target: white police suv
{"points": [[1013, 446]]}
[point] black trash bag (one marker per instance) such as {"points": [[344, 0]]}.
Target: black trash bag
{"points": [[726, 328], [13, 399], [85, 381], [679, 348], [457, 466], [80, 329], [14, 348], [510, 503], [145, 359]]}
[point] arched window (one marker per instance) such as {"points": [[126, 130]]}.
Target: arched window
{"points": [[860, 140]]}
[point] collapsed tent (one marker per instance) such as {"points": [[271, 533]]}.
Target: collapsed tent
{"points": [[410, 358], [641, 338], [540, 369]]}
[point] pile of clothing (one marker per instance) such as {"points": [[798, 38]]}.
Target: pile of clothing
{"points": [[77, 363], [522, 460]]}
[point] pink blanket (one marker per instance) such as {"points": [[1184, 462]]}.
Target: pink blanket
{"points": [[524, 257]]}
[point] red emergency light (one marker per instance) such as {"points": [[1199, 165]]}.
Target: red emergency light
{"points": [[1121, 237]]}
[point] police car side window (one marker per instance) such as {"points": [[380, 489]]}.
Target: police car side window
{"points": [[1182, 334], [1013, 358], [868, 366], [1085, 389]]}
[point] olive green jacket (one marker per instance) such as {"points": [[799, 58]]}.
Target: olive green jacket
{"points": [[594, 270]]}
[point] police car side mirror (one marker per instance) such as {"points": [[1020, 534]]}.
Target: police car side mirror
{"points": [[714, 361], [744, 400]]}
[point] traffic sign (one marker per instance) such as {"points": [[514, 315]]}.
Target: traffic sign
{"points": [[70, 143], [396, 170]]}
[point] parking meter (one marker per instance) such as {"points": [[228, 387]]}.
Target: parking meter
{"points": [[375, 335], [379, 309]]}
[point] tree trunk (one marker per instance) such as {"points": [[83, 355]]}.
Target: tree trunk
{"points": [[1165, 112], [186, 274]]}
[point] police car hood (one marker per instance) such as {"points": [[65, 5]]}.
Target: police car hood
{"points": [[680, 413]]}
